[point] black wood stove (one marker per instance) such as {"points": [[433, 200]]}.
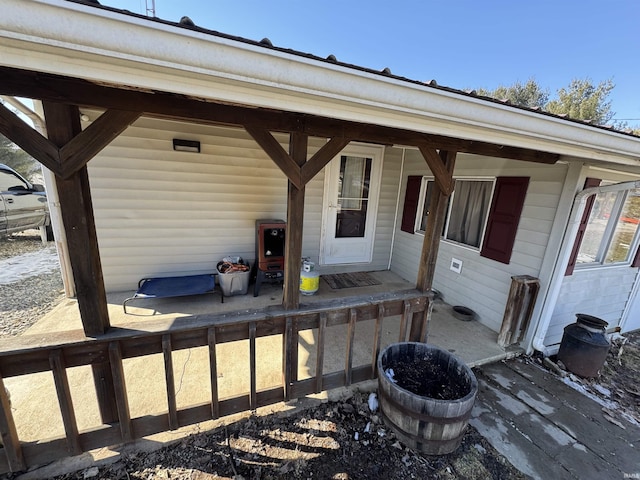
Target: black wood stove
{"points": [[270, 236]]}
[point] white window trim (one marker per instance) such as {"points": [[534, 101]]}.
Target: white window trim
{"points": [[443, 238], [421, 199], [608, 237]]}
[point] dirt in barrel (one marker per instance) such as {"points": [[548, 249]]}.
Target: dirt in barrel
{"points": [[426, 378]]}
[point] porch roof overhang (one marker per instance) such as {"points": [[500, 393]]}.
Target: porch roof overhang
{"points": [[70, 54], [106, 46]]}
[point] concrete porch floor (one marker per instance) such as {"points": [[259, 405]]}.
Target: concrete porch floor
{"points": [[474, 343], [34, 402]]}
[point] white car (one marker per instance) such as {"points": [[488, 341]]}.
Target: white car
{"points": [[23, 205]]}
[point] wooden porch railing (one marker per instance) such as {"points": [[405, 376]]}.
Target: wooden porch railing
{"points": [[29, 355]]}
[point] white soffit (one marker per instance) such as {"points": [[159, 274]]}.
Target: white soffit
{"points": [[71, 39]]}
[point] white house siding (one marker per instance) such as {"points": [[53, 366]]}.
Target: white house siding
{"points": [[483, 285], [160, 212], [601, 292], [631, 318], [387, 208]]}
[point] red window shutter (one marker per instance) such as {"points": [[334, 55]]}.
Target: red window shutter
{"points": [[504, 216], [411, 198], [636, 259], [589, 182]]}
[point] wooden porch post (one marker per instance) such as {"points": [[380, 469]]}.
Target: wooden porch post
{"points": [[430, 245], [63, 124], [295, 216]]}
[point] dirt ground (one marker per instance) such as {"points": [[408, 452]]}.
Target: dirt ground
{"points": [[621, 374], [347, 440], [333, 440]]}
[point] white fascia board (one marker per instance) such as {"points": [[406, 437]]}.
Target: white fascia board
{"points": [[65, 38]]}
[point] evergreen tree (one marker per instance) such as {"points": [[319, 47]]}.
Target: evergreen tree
{"points": [[527, 94], [16, 158], [583, 100]]}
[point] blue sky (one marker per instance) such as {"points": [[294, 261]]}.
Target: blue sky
{"points": [[459, 43]]}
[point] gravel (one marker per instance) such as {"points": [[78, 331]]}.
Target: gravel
{"points": [[24, 302]]}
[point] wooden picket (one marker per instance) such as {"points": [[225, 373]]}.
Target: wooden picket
{"points": [[27, 355]]}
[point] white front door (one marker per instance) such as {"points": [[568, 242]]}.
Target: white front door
{"points": [[350, 206]]}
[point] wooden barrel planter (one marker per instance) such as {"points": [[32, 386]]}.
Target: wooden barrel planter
{"points": [[426, 395]]}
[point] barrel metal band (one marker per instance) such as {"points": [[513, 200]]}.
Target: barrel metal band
{"points": [[421, 442], [422, 416]]}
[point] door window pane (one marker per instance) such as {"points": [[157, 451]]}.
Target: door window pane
{"points": [[9, 180], [353, 195]]}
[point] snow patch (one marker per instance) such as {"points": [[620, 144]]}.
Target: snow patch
{"points": [[542, 406], [585, 391], [603, 390], [373, 402], [390, 375], [554, 432], [27, 265]]}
